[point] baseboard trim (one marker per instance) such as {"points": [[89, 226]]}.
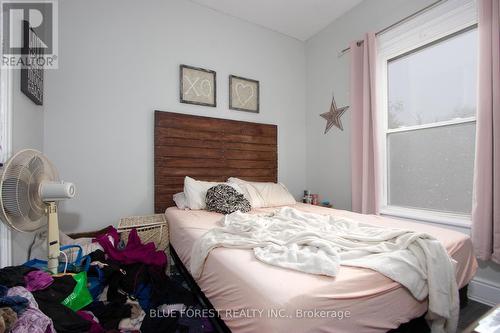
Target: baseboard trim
{"points": [[484, 292]]}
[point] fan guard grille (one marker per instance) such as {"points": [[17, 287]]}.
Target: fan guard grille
{"points": [[20, 203]]}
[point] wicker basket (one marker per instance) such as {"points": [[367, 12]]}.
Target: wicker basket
{"points": [[150, 228]]}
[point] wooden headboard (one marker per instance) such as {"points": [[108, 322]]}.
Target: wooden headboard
{"points": [[210, 149]]}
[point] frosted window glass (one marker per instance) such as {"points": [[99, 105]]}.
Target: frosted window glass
{"points": [[437, 83], [432, 168]]}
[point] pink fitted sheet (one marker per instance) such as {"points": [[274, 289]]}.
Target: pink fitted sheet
{"points": [[252, 296]]}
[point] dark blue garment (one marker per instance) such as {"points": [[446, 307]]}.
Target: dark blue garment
{"points": [[16, 303], [96, 281], [143, 296]]}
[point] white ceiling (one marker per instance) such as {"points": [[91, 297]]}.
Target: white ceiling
{"points": [[300, 19]]}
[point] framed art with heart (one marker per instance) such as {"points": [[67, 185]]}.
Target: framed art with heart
{"points": [[198, 86], [243, 94]]}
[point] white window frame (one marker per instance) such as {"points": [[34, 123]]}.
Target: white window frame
{"points": [[437, 23], [6, 120]]}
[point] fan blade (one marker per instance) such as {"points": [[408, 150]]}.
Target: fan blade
{"points": [[35, 165]]}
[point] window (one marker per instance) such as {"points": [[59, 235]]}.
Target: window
{"points": [[428, 95]]}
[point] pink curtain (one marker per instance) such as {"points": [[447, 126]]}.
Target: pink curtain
{"points": [[486, 196], [364, 157]]}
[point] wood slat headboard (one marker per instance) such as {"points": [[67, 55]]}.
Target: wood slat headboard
{"points": [[210, 149]]}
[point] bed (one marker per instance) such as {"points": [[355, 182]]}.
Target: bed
{"points": [[234, 282]]}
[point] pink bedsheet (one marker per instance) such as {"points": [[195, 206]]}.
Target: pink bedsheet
{"points": [[252, 296]]}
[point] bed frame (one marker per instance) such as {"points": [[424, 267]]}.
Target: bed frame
{"points": [[215, 149], [209, 149]]}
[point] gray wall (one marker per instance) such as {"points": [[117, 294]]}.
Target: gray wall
{"points": [[27, 118], [27, 132], [328, 156], [119, 61]]}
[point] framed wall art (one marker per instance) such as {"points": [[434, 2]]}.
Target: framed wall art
{"points": [[198, 86], [243, 94]]}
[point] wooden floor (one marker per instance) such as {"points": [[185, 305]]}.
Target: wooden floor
{"points": [[470, 313]]}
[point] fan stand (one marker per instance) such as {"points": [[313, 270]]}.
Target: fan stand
{"points": [[53, 238]]}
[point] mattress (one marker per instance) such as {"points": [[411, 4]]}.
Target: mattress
{"points": [[252, 296]]}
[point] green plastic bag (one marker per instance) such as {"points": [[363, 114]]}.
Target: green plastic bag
{"points": [[80, 297]]}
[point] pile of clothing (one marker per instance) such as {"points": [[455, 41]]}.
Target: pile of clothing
{"points": [[118, 287]]}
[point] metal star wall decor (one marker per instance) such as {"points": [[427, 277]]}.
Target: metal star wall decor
{"points": [[333, 116]]}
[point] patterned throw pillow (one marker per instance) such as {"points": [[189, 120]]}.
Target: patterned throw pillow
{"points": [[225, 200]]}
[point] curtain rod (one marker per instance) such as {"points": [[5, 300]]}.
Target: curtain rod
{"points": [[403, 20]]}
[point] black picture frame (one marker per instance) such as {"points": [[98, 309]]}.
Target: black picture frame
{"points": [[231, 106], [31, 76], [181, 86]]}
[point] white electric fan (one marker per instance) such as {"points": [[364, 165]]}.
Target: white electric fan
{"points": [[29, 192]]}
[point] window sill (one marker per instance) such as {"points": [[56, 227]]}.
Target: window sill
{"points": [[448, 219]]}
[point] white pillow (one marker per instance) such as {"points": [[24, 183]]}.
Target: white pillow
{"points": [[180, 200], [196, 192], [264, 194], [249, 191]]}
